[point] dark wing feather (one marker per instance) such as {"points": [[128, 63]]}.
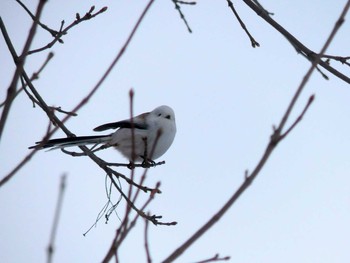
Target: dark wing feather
{"points": [[121, 124], [68, 141]]}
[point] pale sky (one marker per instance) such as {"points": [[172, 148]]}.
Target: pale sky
{"points": [[226, 96]]}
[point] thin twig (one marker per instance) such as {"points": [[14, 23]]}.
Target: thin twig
{"points": [[124, 229], [63, 31], [182, 16], [274, 140], [143, 165], [36, 20], [311, 99], [216, 258], [59, 109], [132, 173], [30, 96], [103, 147], [131, 182], [252, 40], [105, 165], [51, 246], [343, 60]]}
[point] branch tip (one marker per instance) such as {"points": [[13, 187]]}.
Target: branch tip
{"points": [[311, 99], [92, 8]]}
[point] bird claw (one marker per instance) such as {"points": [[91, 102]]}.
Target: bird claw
{"points": [[147, 163], [131, 165]]}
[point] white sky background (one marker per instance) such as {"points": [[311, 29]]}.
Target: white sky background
{"points": [[226, 96]]}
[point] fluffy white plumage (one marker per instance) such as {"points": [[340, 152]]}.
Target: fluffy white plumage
{"points": [[156, 129]]}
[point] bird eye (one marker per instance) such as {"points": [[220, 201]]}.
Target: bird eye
{"points": [[159, 114], [168, 117]]}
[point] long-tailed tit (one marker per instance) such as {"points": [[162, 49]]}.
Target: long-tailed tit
{"points": [[155, 129]]}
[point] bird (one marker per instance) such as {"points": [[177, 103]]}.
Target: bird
{"points": [[145, 137]]}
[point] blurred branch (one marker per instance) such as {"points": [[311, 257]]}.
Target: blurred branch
{"points": [[26, 159], [148, 253], [35, 19], [59, 109], [275, 138], [34, 76], [182, 16], [311, 99], [19, 61], [299, 47], [51, 247], [252, 40]]}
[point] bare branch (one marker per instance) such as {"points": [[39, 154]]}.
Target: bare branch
{"points": [[63, 31], [34, 76], [182, 16], [311, 99], [252, 40], [143, 165], [274, 140], [59, 109], [35, 19], [148, 253], [126, 227], [343, 60], [299, 47], [19, 61], [46, 108]]}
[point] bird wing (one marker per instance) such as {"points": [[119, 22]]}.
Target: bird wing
{"points": [[137, 122]]}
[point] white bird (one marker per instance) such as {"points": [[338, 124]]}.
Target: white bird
{"points": [[155, 129]]}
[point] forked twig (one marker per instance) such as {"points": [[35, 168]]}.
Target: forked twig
{"points": [[182, 16], [63, 31]]}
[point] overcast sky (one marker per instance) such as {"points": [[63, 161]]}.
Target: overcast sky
{"points": [[226, 96]]}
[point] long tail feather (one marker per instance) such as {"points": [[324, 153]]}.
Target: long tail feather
{"points": [[72, 141]]}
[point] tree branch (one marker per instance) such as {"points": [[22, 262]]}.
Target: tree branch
{"points": [[252, 40], [300, 48], [19, 61], [50, 248], [274, 140]]}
